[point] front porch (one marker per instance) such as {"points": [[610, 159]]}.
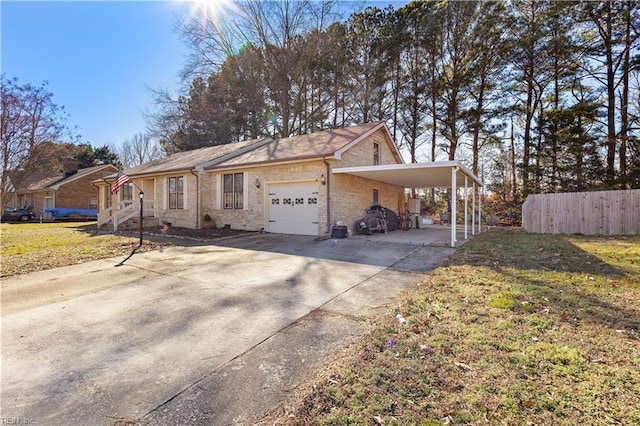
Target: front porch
{"points": [[126, 215]]}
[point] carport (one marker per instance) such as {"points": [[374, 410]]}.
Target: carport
{"points": [[437, 174]]}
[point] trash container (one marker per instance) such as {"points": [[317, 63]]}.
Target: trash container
{"points": [[339, 231]]}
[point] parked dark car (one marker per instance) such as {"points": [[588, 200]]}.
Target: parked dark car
{"points": [[20, 214]]}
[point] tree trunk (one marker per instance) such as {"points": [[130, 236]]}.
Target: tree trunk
{"points": [[476, 125], [514, 176], [526, 154], [434, 123], [611, 100], [624, 99]]}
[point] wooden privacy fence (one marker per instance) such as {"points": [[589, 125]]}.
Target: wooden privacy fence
{"points": [[587, 213]]}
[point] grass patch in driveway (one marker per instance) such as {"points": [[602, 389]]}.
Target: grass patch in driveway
{"points": [[30, 247], [517, 329]]}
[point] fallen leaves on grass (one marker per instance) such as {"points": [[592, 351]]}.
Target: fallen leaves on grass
{"points": [[553, 351]]}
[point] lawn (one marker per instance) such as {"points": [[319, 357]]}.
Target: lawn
{"points": [[517, 329], [29, 247]]}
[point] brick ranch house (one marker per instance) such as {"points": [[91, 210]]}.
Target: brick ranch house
{"points": [[295, 185], [71, 189]]}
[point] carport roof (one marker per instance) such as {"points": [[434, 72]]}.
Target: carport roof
{"points": [[437, 174]]}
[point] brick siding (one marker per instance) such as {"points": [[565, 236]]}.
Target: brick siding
{"points": [[350, 195], [75, 194]]}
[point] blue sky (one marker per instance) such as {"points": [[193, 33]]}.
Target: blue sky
{"points": [[99, 58]]}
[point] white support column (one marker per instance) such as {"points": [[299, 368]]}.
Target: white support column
{"points": [[466, 211], [479, 210], [473, 210], [454, 170]]}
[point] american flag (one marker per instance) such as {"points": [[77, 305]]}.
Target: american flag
{"points": [[121, 179]]}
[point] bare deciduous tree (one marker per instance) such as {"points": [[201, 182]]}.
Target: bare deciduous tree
{"points": [[141, 148], [29, 118]]}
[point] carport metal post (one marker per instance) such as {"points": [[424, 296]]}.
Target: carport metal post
{"points": [[466, 211], [473, 210], [454, 170], [479, 210]]}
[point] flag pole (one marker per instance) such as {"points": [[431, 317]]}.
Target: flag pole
{"points": [[141, 195], [141, 215]]}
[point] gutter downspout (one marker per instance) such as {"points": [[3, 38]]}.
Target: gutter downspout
{"points": [[198, 212], [328, 171]]}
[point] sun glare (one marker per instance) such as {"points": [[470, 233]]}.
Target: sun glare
{"points": [[210, 9], [215, 17]]}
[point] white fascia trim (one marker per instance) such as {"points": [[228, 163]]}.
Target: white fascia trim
{"points": [[275, 163], [394, 148], [338, 154], [434, 164]]}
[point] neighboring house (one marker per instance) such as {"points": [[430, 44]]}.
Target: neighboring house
{"points": [[292, 185], [72, 189]]}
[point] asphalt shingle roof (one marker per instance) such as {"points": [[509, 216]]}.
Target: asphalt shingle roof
{"points": [[58, 180], [187, 160], [312, 145], [42, 183]]}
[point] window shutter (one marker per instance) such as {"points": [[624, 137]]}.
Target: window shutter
{"points": [[219, 194], [245, 191], [185, 179]]}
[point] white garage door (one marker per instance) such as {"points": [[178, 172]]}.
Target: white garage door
{"points": [[293, 208]]}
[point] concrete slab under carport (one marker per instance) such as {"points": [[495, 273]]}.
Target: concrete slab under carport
{"points": [[427, 235]]}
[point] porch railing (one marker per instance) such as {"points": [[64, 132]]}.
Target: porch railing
{"points": [[126, 210]]}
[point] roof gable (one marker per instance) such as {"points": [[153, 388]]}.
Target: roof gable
{"points": [[387, 137], [83, 173], [42, 182]]}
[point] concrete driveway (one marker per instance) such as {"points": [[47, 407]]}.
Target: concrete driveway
{"points": [[210, 334]]}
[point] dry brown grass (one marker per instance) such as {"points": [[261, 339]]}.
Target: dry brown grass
{"points": [[30, 247], [517, 330]]}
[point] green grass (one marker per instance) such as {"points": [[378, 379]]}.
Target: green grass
{"points": [[29, 247], [517, 329]]}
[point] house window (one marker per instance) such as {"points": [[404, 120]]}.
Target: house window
{"points": [[233, 192], [107, 197], [127, 191], [48, 203], [375, 196], [93, 203], [376, 154], [176, 192], [26, 200]]}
